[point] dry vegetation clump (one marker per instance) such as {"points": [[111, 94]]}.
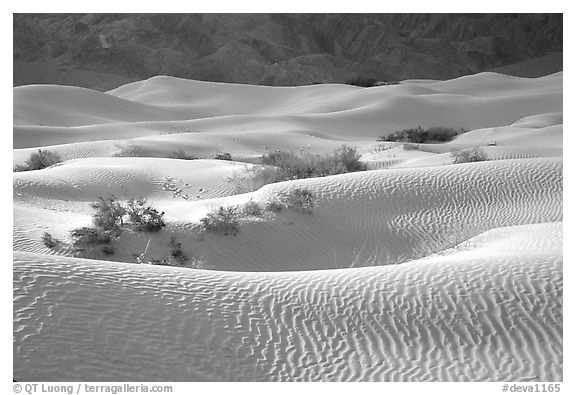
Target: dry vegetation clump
{"points": [[251, 209], [273, 206], [177, 254], [294, 166], [226, 221], [109, 214], [87, 240], [177, 257], [420, 135], [469, 155], [284, 166], [300, 200], [223, 221], [136, 151], [222, 156], [50, 241], [109, 219], [144, 217], [39, 160]]}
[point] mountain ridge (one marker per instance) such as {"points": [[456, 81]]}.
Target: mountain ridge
{"points": [[104, 51]]}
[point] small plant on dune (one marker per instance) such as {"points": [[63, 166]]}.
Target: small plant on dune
{"points": [[109, 214], [420, 135], [109, 218], [300, 200], [289, 163], [294, 166], [50, 241], [273, 206], [223, 221], [284, 166], [443, 133], [469, 155], [143, 216], [255, 177], [349, 159], [107, 249], [39, 160], [222, 156], [251, 209], [88, 240], [135, 151], [177, 254]]}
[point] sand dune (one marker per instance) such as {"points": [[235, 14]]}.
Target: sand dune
{"points": [[494, 85], [534, 136], [416, 270], [125, 178], [361, 218], [454, 104], [487, 316], [54, 105]]}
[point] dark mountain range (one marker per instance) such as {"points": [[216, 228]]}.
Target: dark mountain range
{"points": [[102, 51]]}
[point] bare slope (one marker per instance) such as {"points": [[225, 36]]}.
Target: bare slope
{"points": [[456, 103], [363, 218], [495, 314]]}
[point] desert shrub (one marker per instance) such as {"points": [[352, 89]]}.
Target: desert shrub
{"points": [[177, 255], [91, 239], [256, 177], [365, 82], [49, 240], [39, 160], [109, 214], [107, 249], [273, 206], [251, 209], [442, 133], [284, 166], [469, 155], [222, 221], [420, 135], [300, 200], [144, 217], [293, 166], [305, 165], [135, 151], [283, 160], [348, 158], [222, 156]]}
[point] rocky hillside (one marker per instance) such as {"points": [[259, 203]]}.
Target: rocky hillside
{"points": [[102, 51]]}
